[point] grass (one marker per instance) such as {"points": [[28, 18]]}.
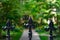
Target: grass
{"points": [[57, 37], [43, 37], [42, 31], [46, 38], [16, 36]]}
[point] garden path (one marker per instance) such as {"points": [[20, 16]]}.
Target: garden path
{"points": [[24, 36]]}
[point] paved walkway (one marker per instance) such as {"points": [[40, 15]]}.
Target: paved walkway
{"points": [[35, 35]]}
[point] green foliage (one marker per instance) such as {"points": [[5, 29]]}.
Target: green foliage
{"points": [[13, 9], [37, 7], [10, 10], [57, 4]]}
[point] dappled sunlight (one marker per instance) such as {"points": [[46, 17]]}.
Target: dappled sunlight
{"points": [[35, 34]]}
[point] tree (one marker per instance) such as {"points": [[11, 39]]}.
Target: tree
{"points": [[10, 9]]}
